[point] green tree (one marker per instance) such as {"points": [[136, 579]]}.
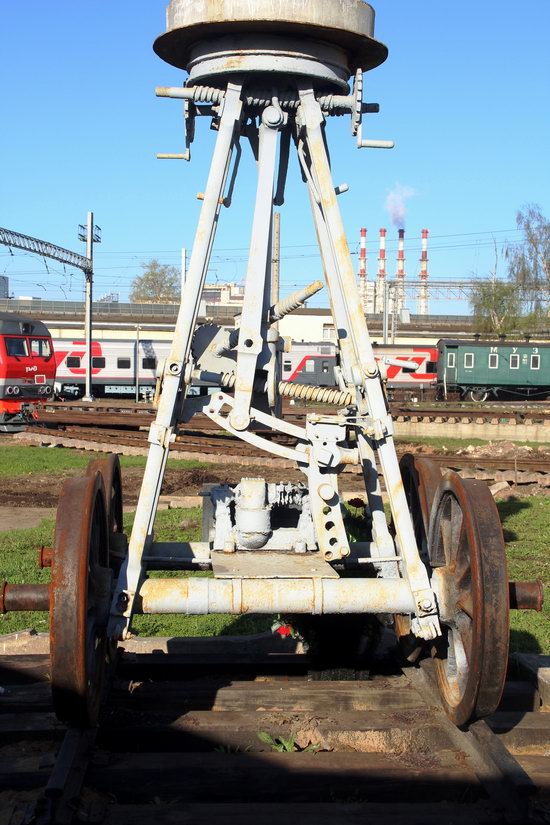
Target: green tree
{"points": [[159, 284], [496, 306], [529, 262]]}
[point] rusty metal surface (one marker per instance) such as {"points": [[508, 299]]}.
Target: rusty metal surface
{"points": [[20, 597], [111, 473], [346, 23], [526, 595], [45, 555], [79, 601], [467, 552]]}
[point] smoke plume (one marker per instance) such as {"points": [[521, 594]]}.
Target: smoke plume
{"points": [[396, 204]]}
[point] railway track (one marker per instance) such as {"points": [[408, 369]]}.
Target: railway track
{"points": [[134, 416], [212, 446], [237, 730]]}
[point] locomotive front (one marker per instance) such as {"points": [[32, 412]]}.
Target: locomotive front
{"points": [[27, 369]]}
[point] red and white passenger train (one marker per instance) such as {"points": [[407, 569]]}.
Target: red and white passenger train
{"points": [[27, 367], [119, 366]]}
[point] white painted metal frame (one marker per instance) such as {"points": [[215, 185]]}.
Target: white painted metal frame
{"points": [[321, 450]]}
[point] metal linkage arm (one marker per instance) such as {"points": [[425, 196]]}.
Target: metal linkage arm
{"points": [[173, 387], [344, 297], [258, 275]]}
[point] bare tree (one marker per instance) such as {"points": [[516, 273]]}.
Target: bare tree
{"points": [[159, 284]]}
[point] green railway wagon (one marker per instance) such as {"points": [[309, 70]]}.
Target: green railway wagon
{"points": [[478, 369]]}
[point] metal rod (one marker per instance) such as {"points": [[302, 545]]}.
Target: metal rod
{"points": [[88, 305], [15, 598], [201, 596], [526, 595]]}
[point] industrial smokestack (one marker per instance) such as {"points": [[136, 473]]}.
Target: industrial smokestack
{"points": [[363, 269], [423, 297], [381, 277], [400, 298]]}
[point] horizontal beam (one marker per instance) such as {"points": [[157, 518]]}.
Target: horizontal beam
{"points": [[201, 596]]}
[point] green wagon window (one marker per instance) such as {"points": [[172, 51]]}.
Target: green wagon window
{"points": [[468, 360], [535, 362], [493, 361], [451, 359], [514, 362]]}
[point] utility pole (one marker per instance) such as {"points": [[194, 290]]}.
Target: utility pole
{"points": [[90, 234]]}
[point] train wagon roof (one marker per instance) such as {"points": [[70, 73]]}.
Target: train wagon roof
{"points": [[11, 324], [508, 342]]}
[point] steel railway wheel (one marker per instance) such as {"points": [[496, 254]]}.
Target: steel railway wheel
{"points": [[467, 555], [110, 471], [421, 477], [79, 601]]}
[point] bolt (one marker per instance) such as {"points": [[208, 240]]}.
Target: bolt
{"points": [[425, 604], [122, 602], [325, 491], [344, 552], [273, 117]]}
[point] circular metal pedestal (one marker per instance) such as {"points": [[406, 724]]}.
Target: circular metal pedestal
{"points": [[326, 41]]}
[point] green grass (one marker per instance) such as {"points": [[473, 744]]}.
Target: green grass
{"points": [[18, 554], [23, 461], [526, 524]]}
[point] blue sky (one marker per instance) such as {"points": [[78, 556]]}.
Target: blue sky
{"points": [[464, 94]]}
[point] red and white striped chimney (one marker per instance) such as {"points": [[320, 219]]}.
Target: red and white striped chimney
{"points": [[363, 269], [423, 297], [401, 271], [381, 277]]}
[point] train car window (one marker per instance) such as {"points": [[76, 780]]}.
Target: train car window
{"points": [[451, 359], [324, 366], [149, 363], [468, 360], [41, 347], [17, 347], [98, 363], [535, 362], [287, 366], [73, 361], [310, 365], [123, 363], [493, 361], [514, 362], [431, 367]]}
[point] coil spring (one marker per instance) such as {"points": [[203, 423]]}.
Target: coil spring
{"points": [[304, 392], [337, 104]]}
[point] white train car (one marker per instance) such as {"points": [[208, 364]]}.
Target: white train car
{"points": [[126, 368]]}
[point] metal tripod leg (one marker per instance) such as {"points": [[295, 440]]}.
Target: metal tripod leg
{"points": [[256, 295], [173, 385], [343, 291]]}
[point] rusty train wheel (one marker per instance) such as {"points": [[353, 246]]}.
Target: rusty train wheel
{"points": [[421, 477], [467, 554], [79, 601], [110, 471]]}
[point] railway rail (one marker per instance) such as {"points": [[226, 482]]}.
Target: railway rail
{"points": [[237, 729]]}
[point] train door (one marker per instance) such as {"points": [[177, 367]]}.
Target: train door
{"points": [[450, 368]]}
